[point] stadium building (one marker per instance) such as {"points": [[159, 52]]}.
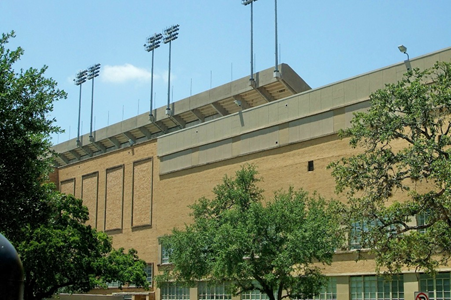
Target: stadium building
{"points": [[137, 177]]}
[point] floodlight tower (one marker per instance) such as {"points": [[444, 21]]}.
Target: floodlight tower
{"points": [[152, 44], [251, 2], [93, 72], [79, 80], [276, 67], [170, 34]]}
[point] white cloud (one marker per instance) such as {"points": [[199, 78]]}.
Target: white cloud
{"points": [[124, 73]]}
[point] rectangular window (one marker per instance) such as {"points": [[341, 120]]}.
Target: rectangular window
{"points": [[376, 288], [254, 295], [356, 235], [310, 167], [165, 254], [213, 292], [329, 291], [149, 271], [422, 219], [437, 288], [172, 291]]}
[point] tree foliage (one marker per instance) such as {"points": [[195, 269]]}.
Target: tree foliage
{"points": [[271, 247], [48, 229], [404, 171]]}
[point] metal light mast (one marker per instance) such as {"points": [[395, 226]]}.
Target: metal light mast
{"points": [[170, 34], [276, 67], [251, 2], [79, 80], [93, 72], [152, 44]]}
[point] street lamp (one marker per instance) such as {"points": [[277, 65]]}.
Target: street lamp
{"points": [[152, 44], [170, 34], [403, 49], [93, 72], [79, 80], [251, 2]]}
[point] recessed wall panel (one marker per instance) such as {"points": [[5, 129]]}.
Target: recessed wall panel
{"points": [[142, 193], [68, 186], [89, 194], [114, 198]]}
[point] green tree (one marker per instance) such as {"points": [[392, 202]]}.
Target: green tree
{"points": [[275, 247], [58, 250], [399, 186]]}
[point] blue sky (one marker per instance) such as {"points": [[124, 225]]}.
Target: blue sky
{"points": [[323, 41]]}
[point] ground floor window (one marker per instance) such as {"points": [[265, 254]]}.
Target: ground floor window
{"points": [[172, 291], [376, 288], [254, 295], [438, 287], [329, 291], [209, 291]]}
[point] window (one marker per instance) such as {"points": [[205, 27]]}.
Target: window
{"points": [[356, 235], [149, 271], [213, 292], [329, 291], [165, 254], [310, 166], [254, 295], [422, 219], [172, 291], [376, 288], [437, 288]]}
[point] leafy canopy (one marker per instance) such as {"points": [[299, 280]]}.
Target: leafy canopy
{"points": [[58, 250], [236, 239], [404, 171]]}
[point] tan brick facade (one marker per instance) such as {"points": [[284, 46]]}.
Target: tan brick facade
{"points": [[138, 192]]}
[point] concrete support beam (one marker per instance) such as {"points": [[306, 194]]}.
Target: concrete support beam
{"points": [[115, 142], [160, 126], [264, 93], [146, 132], [243, 103], [130, 136], [179, 121], [198, 115], [219, 109], [75, 153], [100, 146], [64, 158], [88, 151]]}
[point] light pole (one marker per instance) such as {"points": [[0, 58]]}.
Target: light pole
{"points": [[251, 2], [93, 72], [152, 44], [170, 34], [276, 67], [403, 49], [79, 80]]}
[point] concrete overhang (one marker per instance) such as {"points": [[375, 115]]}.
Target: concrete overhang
{"points": [[214, 103]]}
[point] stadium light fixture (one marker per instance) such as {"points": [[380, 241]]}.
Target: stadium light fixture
{"points": [[152, 44], [93, 72], [245, 3], [79, 80], [170, 34]]}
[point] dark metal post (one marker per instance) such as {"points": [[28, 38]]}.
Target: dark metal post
{"points": [[79, 80], [170, 35], [153, 43], [93, 73]]}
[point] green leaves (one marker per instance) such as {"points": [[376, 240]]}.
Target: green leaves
{"points": [[235, 238], [58, 250], [403, 170]]}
